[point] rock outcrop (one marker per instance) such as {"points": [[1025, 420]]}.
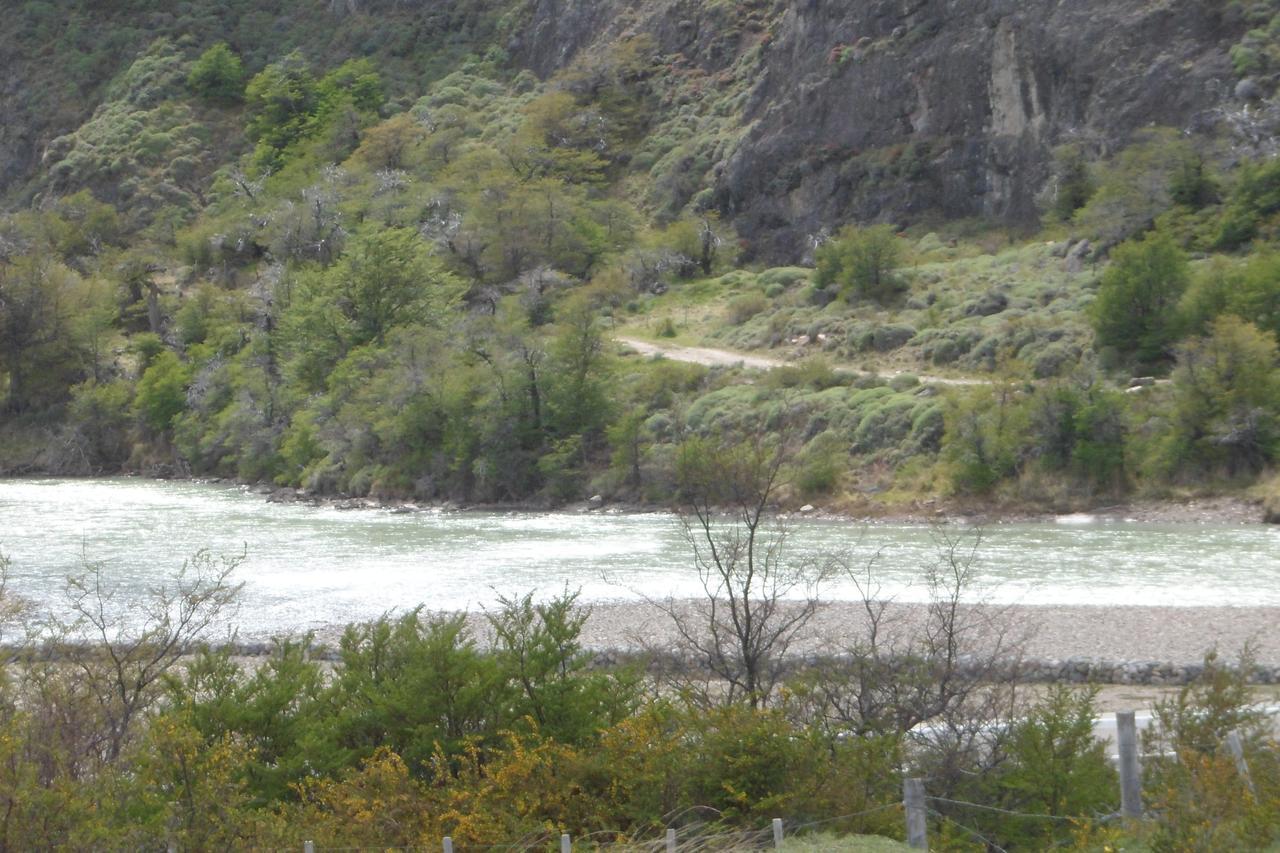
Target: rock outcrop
{"points": [[841, 110], [898, 110]]}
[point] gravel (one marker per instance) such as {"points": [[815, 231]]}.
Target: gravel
{"points": [[1116, 632]]}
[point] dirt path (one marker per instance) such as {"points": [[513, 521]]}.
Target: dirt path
{"points": [[711, 357]]}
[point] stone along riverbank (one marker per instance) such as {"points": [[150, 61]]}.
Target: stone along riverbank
{"points": [[1077, 644]]}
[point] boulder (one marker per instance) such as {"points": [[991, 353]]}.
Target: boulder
{"points": [[1077, 256], [1249, 90]]}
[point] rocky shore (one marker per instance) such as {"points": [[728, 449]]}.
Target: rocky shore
{"points": [[1204, 510], [1125, 645]]}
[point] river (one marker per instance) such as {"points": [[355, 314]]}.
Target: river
{"points": [[314, 567]]}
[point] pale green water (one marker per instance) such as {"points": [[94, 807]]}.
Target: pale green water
{"points": [[313, 567]]}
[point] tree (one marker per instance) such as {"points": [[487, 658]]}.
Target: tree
{"points": [[947, 665], [389, 277], [1253, 203], [1191, 185], [1250, 291], [538, 652], [162, 391], [37, 352], [578, 400], [279, 102], [1135, 311], [139, 641], [1073, 184], [416, 685], [1056, 767], [217, 75], [1134, 189], [1227, 396], [388, 145], [740, 631], [863, 263]]}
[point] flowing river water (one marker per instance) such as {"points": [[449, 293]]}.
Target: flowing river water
{"points": [[317, 566]]}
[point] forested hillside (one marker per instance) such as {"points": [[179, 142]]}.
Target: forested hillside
{"points": [[374, 247]]}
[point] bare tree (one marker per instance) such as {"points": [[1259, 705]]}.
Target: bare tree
{"points": [[943, 674], [756, 598], [121, 647]]}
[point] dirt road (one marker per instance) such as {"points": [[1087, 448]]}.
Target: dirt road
{"points": [[712, 357]]}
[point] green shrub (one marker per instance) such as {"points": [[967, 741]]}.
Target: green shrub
{"points": [[1136, 308], [217, 75], [743, 308], [863, 263], [162, 391], [1074, 182]]}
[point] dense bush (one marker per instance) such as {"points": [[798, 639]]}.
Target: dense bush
{"points": [[217, 75], [863, 263], [1136, 309]]}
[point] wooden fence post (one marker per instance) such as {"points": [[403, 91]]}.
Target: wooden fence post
{"points": [[777, 833], [448, 844], [917, 824], [1236, 748], [671, 841], [1130, 771]]}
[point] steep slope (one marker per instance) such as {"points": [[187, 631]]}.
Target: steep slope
{"points": [[901, 110], [826, 111]]}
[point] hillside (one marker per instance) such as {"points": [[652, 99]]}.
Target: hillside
{"points": [[380, 247]]}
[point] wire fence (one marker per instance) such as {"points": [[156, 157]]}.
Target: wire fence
{"points": [[700, 829]]}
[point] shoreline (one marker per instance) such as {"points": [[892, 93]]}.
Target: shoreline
{"points": [[1111, 644], [1216, 509], [1210, 509]]}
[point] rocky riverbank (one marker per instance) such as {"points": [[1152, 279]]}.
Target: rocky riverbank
{"points": [[1221, 509], [1124, 645]]}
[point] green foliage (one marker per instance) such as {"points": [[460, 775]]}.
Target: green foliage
{"points": [[1055, 767], [539, 652], [981, 439], [1074, 184], [416, 685], [744, 307], [97, 424], [1250, 291], [863, 263], [1135, 188], [1227, 398], [83, 226], [280, 102], [819, 472], [143, 150], [1136, 308], [1191, 185], [1252, 205], [162, 391], [40, 354], [388, 278], [1079, 433], [217, 75], [1203, 801]]}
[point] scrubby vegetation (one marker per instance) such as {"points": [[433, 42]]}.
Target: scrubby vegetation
{"points": [[424, 726], [387, 261]]}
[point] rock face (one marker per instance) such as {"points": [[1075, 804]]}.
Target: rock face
{"points": [[842, 110], [895, 110]]}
